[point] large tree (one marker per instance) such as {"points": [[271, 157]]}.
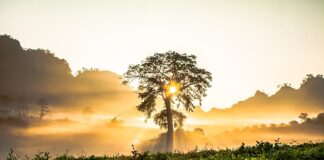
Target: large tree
{"points": [[174, 78]]}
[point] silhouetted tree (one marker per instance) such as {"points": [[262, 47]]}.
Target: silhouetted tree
{"points": [[199, 131], [284, 85], [176, 79], [43, 107], [303, 116], [293, 123]]}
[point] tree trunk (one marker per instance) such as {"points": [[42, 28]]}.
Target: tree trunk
{"points": [[169, 140]]}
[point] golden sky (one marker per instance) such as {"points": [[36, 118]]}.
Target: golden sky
{"points": [[247, 45]]}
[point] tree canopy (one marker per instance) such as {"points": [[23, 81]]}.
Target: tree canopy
{"points": [[156, 74]]}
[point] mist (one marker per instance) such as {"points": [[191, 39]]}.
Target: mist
{"points": [[91, 112]]}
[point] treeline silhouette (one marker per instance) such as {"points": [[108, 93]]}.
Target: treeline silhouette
{"points": [[311, 126]]}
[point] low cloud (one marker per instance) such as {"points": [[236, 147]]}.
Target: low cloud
{"points": [[105, 136], [310, 130]]}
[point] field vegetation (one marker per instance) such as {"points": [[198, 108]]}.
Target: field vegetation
{"points": [[261, 150]]}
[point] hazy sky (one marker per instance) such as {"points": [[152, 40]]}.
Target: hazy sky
{"points": [[247, 45]]}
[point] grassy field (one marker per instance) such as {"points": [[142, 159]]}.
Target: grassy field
{"points": [[262, 150]]}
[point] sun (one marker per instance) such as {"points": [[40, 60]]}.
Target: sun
{"points": [[173, 89]]}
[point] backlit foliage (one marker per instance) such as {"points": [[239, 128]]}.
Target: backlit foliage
{"points": [[158, 73]]}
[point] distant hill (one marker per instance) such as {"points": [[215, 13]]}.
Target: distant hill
{"points": [[28, 75], [309, 97]]}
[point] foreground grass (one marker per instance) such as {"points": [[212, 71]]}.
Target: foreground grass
{"points": [[262, 150]]}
